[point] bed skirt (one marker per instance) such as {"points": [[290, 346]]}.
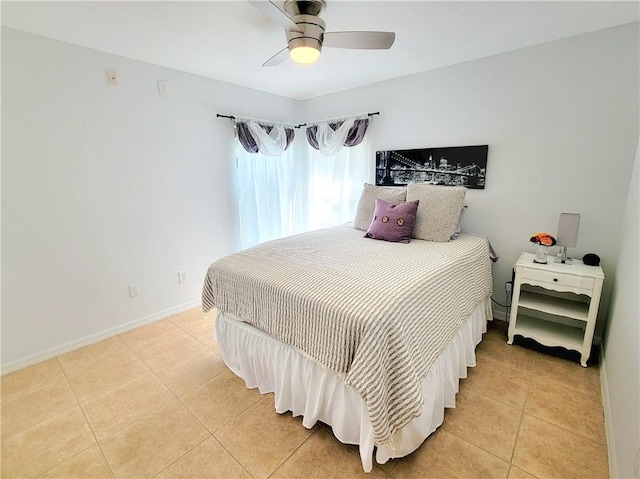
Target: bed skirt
{"points": [[307, 389]]}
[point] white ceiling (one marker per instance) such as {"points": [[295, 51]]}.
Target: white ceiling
{"points": [[229, 40]]}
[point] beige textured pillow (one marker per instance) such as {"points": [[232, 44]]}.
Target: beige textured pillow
{"points": [[438, 211], [364, 214]]}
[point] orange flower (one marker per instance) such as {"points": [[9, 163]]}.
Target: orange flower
{"points": [[544, 239]]}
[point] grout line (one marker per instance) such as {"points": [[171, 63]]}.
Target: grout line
{"points": [[180, 457], [474, 445], [313, 433], [522, 413], [84, 414], [232, 456]]}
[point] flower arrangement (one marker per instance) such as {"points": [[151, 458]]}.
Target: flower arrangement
{"points": [[544, 239]]}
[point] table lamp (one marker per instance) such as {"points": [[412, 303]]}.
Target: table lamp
{"points": [[567, 235]]}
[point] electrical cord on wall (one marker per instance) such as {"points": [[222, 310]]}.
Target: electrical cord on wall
{"points": [[507, 306]]}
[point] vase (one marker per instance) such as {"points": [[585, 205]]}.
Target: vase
{"points": [[541, 254]]}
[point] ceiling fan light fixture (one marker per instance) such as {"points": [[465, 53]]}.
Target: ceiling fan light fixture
{"points": [[304, 55], [304, 50]]}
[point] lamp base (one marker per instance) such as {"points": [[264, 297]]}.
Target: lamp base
{"points": [[562, 256], [558, 259]]}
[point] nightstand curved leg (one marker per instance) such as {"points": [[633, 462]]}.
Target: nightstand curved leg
{"points": [[583, 360], [509, 339]]}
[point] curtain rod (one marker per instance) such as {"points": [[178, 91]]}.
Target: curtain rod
{"points": [[257, 120], [231, 117], [336, 119]]}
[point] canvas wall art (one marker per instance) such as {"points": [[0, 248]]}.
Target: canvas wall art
{"points": [[451, 166]]}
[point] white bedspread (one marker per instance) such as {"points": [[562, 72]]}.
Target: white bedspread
{"points": [[376, 313]]}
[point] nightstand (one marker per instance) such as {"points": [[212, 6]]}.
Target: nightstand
{"points": [[556, 304]]}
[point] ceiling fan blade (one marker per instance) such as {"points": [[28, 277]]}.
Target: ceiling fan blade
{"points": [[359, 40], [277, 59], [273, 13]]}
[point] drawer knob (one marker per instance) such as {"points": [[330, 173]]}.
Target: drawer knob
{"points": [[555, 280]]}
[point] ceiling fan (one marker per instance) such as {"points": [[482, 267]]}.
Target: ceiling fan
{"points": [[305, 32]]}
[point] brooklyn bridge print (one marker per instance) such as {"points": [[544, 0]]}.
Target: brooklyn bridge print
{"points": [[451, 166]]}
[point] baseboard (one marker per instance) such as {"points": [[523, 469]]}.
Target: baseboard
{"points": [[21, 363], [608, 421], [500, 315]]}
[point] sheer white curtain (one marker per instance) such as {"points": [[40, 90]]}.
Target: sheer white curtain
{"points": [[268, 183], [284, 191], [338, 165], [267, 196], [335, 184]]}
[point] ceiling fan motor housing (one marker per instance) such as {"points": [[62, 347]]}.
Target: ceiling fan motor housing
{"points": [[312, 32], [304, 7]]}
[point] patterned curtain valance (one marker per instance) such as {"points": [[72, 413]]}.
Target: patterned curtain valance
{"points": [[329, 137], [270, 140]]}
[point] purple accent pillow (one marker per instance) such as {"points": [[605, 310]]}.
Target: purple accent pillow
{"points": [[393, 222]]}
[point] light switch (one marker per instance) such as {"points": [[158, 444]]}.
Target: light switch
{"points": [[163, 87], [134, 290]]}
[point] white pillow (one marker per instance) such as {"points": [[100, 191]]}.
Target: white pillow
{"points": [[438, 211], [364, 214]]}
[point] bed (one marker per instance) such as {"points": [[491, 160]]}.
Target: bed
{"points": [[369, 337]]}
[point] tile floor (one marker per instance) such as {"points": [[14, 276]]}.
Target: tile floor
{"points": [[158, 401]]}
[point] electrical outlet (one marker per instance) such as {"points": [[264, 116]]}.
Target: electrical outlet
{"points": [[112, 77], [134, 290], [163, 87], [182, 277]]}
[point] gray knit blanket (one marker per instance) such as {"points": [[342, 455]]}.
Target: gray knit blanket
{"points": [[376, 313]]}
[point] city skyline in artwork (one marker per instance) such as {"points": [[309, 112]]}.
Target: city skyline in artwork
{"points": [[450, 166]]}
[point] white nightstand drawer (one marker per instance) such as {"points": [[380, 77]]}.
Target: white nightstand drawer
{"points": [[558, 281]]}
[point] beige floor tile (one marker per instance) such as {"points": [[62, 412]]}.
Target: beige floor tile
{"points": [[495, 347], [208, 459], [44, 431], [90, 383], [491, 378], [569, 374], [190, 371], [118, 408], [562, 406], [203, 332], [515, 473], [261, 439], [323, 456], [388, 466], [220, 400], [148, 333], [167, 348], [444, 455], [27, 410], [548, 451], [47, 445], [30, 377], [195, 315], [107, 352], [151, 444], [88, 464], [484, 422]]}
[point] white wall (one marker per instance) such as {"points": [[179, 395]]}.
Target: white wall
{"points": [[561, 122], [621, 354], [105, 186]]}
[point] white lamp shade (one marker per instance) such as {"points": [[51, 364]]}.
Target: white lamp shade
{"points": [[568, 229]]}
